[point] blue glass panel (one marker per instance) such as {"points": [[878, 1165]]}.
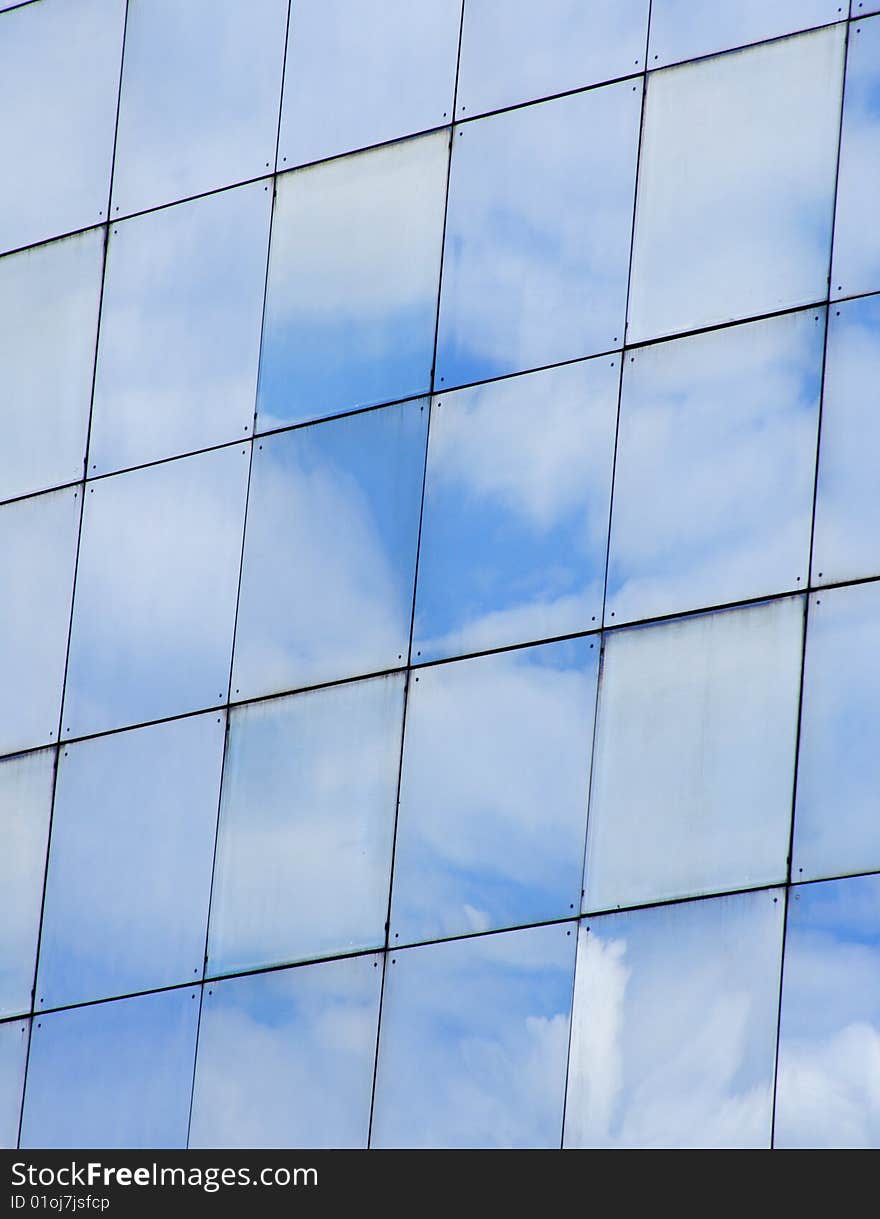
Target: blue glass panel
{"points": [[682, 29], [13, 1054]]}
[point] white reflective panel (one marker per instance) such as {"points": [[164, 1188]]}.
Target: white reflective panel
{"points": [[37, 557], [352, 292], [473, 1042], [708, 707], [155, 592], [48, 324], [538, 235], [684, 29], [306, 826], [130, 862], [180, 329], [837, 827], [827, 1094], [59, 80], [743, 224], [515, 521], [13, 1054], [25, 807], [360, 72], [114, 1075], [846, 544], [286, 1058], [334, 510], [515, 50], [493, 795], [201, 91], [716, 454]]}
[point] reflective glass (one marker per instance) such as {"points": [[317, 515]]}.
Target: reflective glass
{"points": [[25, 806], [515, 521], [859, 7], [37, 556], [515, 50], [538, 234], [352, 292], [673, 1034], [333, 509], [306, 826], [59, 78], [743, 224], [708, 705], [829, 1048], [13, 1054], [155, 592], [716, 455], [682, 29], [114, 1075], [473, 1042], [130, 864], [846, 544], [286, 1058], [48, 322], [180, 329], [837, 827], [856, 238], [360, 72], [201, 90]]}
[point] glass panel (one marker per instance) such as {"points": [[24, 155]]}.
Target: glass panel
{"points": [[681, 29], [13, 1054], [306, 826], [538, 234], [48, 322], [494, 791], [201, 88], [352, 291], [363, 71], [830, 1032], [180, 329], [859, 7], [25, 808], [286, 1058], [515, 522], [333, 509], [515, 50], [716, 455], [37, 556], [673, 1036], [114, 1075], [473, 1042], [837, 829], [708, 705], [155, 592], [743, 224], [130, 864], [59, 76]]}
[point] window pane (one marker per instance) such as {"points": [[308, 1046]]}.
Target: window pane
{"points": [[673, 1035], [13, 1053], [201, 89], [286, 1058], [360, 72], [494, 791], [681, 29], [473, 1042], [858, 7], [306, 826], [538, 234], [112, 1075], [333, 509], [515, 522], [736, 185], [515, 50], [59, 77], [37, 555], [708, 705], [25, 807], [130, 863], [353, 273], [180, 329], [155, 592], [716, 453], [48, 322]]}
